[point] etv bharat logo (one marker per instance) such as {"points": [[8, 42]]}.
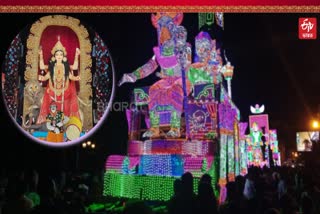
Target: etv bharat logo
{"points": [[307, 28]]}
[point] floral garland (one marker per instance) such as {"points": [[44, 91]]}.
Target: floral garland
{"points": [[102, 78], [11, 71]]}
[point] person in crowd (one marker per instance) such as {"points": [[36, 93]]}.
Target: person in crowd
{"points": [[206, 200]]}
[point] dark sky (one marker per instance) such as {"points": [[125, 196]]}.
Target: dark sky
{"points": [[272, 67]]}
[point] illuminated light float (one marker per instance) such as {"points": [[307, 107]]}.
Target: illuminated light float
{"points": [[261, 143], [58, 81], [191, 123]]}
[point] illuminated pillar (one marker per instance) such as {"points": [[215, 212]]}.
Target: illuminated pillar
{"points": [[223, 160], [236, 149], [227, 72], [223, 168], [243, 157], [231, 157], [242, 145]]}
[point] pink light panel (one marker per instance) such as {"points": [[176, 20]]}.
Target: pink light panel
{"points": [[114, 163], [194, 148]]}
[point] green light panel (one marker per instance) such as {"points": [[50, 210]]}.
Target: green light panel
{"points": [[154, 188]]}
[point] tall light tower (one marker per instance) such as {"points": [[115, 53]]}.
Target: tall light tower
{"points": [[227, 72]]}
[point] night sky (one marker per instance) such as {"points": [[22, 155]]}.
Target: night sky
{"points": [[272, 67]]}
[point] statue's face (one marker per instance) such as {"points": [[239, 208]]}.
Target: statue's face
{"points": [[203, 47], [53, 108], [255, 127], [59, 56], [166, 29], [33, 87]]}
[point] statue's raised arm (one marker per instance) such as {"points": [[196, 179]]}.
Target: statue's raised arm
{"points": [[41, 62], [42, 67], [173, 55], [141, 72], [75, 65]]}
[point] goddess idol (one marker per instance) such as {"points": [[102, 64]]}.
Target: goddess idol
{"points": [[61, 87]]}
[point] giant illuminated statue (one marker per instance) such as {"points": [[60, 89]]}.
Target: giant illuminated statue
{"points": [[186, 132], [172, 54]]}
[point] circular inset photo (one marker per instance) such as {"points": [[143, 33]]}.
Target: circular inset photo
{"points": [[58, 81]]}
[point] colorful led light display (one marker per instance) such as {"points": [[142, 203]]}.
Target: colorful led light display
{"points": [[195, 165], [242, 146], [231, 162], [161, 147], [236, 149], [274, 147], [162, 165], [223, 160], [261, 141], [142, 187], [173, 131], [114, 163]]}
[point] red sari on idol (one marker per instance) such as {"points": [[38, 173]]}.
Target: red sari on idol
{"points": [[65, 98]]}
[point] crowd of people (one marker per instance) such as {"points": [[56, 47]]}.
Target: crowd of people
{"points": [[278, 190], [284, 190], [33, 192]]}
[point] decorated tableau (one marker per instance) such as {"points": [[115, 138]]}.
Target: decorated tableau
{"points": [[184, 122], [262, 142]]}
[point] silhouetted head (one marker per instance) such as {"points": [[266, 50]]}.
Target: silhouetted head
{"points": [[187, 183], [205, 178]]}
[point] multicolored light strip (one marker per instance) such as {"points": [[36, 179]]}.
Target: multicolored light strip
{"points": [[231, 162], [114, 163], [223, 160], [243, 157], [162, 147]]}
